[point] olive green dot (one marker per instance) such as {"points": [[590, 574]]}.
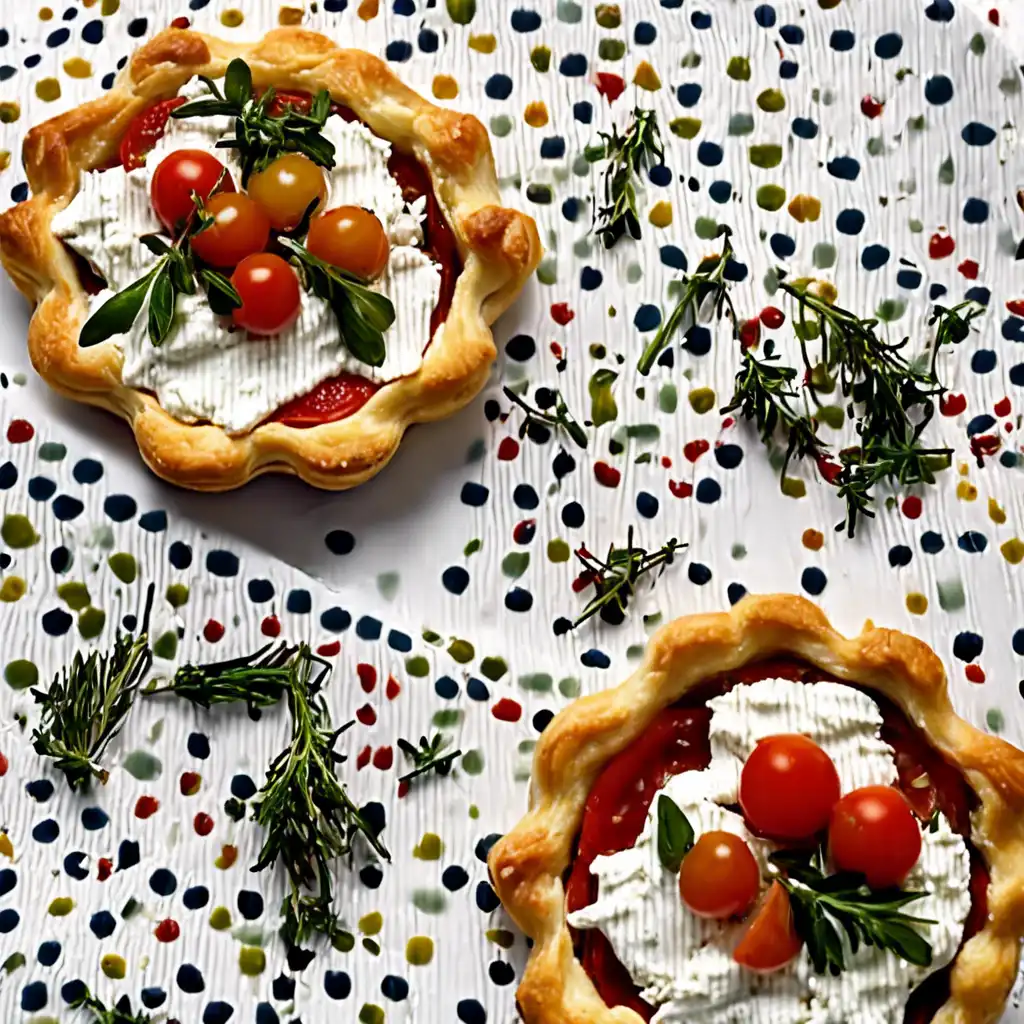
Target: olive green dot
{"points": [[372, 923], [569, 687], [702, 400], [793, 487], [515, 563], [417, 666], [765, 155], [537, 682], [668, 398], [501, 937], [370, 1012], [558, 550], [473, 762], [611, 49], [738, 69], [685, 127], [473, 547], [18, 532], [419, 950], [114, 966], [608, 15], [474, 812], [74, 595], [461, 12], [706, 227], [771, 197], [123, 566], [61, 906], [12, 589], [547, 272], [446, 718], [429, 847], [540, 58], [251, 961], [177, 595], [429, 901], [771, 101], [462, 651], [220, 919], [343, 942], [166, 645], [21, 674], [493, 668], [9, 113], [91, 622]]}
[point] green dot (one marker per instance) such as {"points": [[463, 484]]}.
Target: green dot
{"points": [[706, 228], [429, 901], [473, 762], [419, 950], [824, 255], [685, 127], [461, 12], [668, 398], [741, 124], [569, 687], [515, 563], [765, 155], [771, 197], [343, 942], [123, 566], [370, 1012], [978, 44], [738, 69], [114, 966], [52, 451], [611, 49], [429, 847], [540, 58], [220, 919], [417, 666], [558, 550], [793, 487], [890, 310], [738, 552], [61, 906], [12, 589], [994, 720], [21, 674], [951, 595], [608, 15], [537, 682], [771, 101], [166, 645], [447, 718], [702, 400], [387, 585], [251, 961], [547, 272], [501, 125], [493, 668], [74, 595], [177, 595], [372, 923], [371, 946], [473, 547], [432, 638], [91, 622], [18, 532], [142, 765], [569, 12], [462, 651]]}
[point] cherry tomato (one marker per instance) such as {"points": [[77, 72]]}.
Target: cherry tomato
{"points": [[771, 941], [351, 238], [719, 877], [145, 131], [179, 175], [269, 290], [287, 187], [874, 832], [788, 787], [239, 229]]}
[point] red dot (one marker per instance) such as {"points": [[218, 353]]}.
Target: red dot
{"points": [[329, 650], [146, 807], [403, 789], [213, 631], [180, 22], [952, 405], [270, 626], [1016, 307], [975, 673], [772, 317], [940, 246], [993, 16], [20, 431], [912, 507], [870, 107], [666, 462], [750, 332], [384, 758], [366, 715], [969, 269], [167, 930], [203, 824], [189, 783], [367, 677], [693, 450], [4, 765], [561, 313], [392, 689], [680, 488], [610, 86], [508, 449], [363, 757], [523, 531], [1002, 407], [507, 710], [556, 350], [104, 869], [606, 476]]}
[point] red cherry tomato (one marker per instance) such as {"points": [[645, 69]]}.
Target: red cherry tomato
{"points": [[719, 877], [874, 832], [145, 131], [239, 229], [771, 940], [788, 787], [335, 399], [179, 175], [269, 290]]}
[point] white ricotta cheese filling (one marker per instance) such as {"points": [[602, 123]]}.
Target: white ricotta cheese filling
{"points": [[684, 965], [206, 370]]}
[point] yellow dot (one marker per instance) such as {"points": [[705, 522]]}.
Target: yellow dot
{"points": [[803, 208], [77, 67], [1013, 551], [45, 13], [661, 214], [5, 159], [109, 7], [536, 114], [966, 491], [12, 589], [371, 924], [369, 9], [793, 487], [483, 43], [813, 540], [10, 112], [827, 291], [701, 400], [48, 89], [113, 966], [6, 846], [963, 468], [917, 604], [646, 77], [445, 87], [232, 17], [419, 950], [996, 512], [290, 16]]}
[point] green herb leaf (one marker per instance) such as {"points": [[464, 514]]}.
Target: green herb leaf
{"points": [[101, 1014], [117, 314], [221, 293], [675, 833], [430, 755], [538, 420], [161, 305], [204, 108], [238, 83]]}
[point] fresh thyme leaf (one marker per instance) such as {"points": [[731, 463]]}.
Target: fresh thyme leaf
{"points": [[121, 1013], [629, 155], [430, 755], [117, 314], [220, 292], [615, 579], [675, 833], [560, 419], [705, 291], [88, 703], [822, 902]]}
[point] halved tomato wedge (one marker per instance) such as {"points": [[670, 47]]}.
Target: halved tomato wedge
{"points": [[771, 940], [145, 131], [334, 399]]}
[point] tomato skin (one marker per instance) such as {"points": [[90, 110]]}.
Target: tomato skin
{"points": [[874, 833], [145, 131], [333, 399], [239, 229], [352, 239], [179, 175], [270, 294], [771, 940], [719, 877], [287, 187], [788, 787]]}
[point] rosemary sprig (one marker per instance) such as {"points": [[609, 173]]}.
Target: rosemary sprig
{"points": [[88, 703], [363, 314], [261, 137], [820, 902], [259, 680], [430, 755], [636, 150], [616, 577], [305, 809], [101, 1014], [560, 419], [704, 291]]}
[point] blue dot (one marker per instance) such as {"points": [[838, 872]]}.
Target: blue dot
{"points": [[394, 988], [521, 348], [647, 317], [340, 542], [850, 222], [265, 1013], [728, 456], [476, 689], [92, 32], [792, 34], [805, 128], [660, 175], [196, 897], [813, 580], [570, 211], [250, 904], [841, 40], [163, 882], [583, 111], [735, 271], [938, 90], [936, 291], [260, 591], [398, 51], [782, 245], [525, 497], [198, 745], [590, 279], [647, 505], [900, 555], [137, 27], [573, 65], [977, 134], [525, 21], [708, 491], [222, 563], [595, 659], [845, 168], [283, 988], [498, 87], [399, 641], [984, 361], [8, 880], [975, 211], [720, 191], [573, 515], [644, 33], [8, 476], [967, 646], [153, 522], [65, 508], [735, 592], [972, 542], [427, 41], [128, 854], [446, 688], [404, 8], [299, 602], [336, 620], [698, 574], [1013, 328], [189, 979], [940, 10], [518, 600], [698, 340], [474, 495], [56, 622], [371, 876], [909, 279], [9, 920], [788, 69], [1017, 375], [369, 628], [33, 995], [180, 555], [153, 997], [978, 294], [889, 45], [874, 256], [39, 789], [552, 148], [337, 984], [689, 93], [1018, 642], [454, 878], [700, 20], [979, 424], [709, 154], [764, 15], [217, 1013], [486, 898], [41, 488], [469, 1011], [73, 866], [102, 924], [120, 507], [58, 37], [672, 256], [48, 953], [455, 579]]}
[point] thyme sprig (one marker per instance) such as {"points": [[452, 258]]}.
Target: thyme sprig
{"points": [[88, 703], [823, 904], [121, 1013], [630, 154], [559, 419], [705, 291], [430, 755], [261, 137], [308, 817], [615, 579]]}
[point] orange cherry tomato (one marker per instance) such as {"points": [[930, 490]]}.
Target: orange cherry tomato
{"points": [[788, 787], [239, 229], [145, 131], [771, 940], [719, 877], [269, 290], [351, 238], [287, 187], [179, 175], [874, 833]]}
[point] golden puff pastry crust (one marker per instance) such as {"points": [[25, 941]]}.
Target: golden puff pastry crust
{"points": [[527, 865], [499, 247]]}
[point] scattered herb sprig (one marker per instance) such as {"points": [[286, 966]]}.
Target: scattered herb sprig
{"points": [[822, 904], [363, 314], [629, 155], [88, 703], [121, 1013], [675, 833], [616, 577], [558, 419], [705, 291], [260, 136], [431, 755]]}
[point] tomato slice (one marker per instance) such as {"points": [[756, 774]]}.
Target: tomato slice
{"points": [[771, 940], [145, 131], [335, 399]]}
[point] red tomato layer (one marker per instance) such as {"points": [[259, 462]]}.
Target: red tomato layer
{"points": [[678, 741], [145, 131]]}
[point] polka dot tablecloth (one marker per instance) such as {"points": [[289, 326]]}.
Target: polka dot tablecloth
{"points": [[870, 143]]}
